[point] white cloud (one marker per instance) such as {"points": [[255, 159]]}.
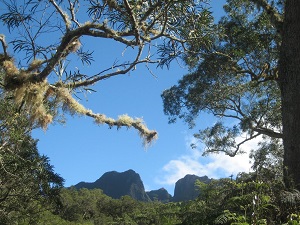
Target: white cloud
{"points": [[214, 166]]}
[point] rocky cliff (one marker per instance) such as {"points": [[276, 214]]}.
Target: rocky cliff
{"points": [[116, 185], [185, 188]]}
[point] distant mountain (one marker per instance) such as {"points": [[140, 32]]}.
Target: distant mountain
{"points": [[116, 185], [161, 195], [185, 188]]}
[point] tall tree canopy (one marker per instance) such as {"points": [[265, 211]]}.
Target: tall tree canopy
{"points": [[249, 74], [134, 24], [235, 78]]}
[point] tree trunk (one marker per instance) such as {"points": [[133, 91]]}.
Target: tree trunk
{"points": [[289, 81]]}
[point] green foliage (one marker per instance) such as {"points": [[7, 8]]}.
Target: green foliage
{"points": [[235, 78], [79, 205], [230, 218], [246, 200], [294, 219], [85, 206], [28, 183]]}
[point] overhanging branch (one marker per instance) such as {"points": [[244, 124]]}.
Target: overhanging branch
{"points": [[123, 121], [232, 154], [268, 132], [89, 29]]}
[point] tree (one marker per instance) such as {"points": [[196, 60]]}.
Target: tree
{"points": [[28, 183], [134, 24], [249, 75], [234, 79], [80, 205]]}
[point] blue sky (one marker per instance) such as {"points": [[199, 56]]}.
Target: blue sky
{"points": [[80, 150]]}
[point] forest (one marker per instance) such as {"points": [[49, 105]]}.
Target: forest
{"points": [[243, 68]]}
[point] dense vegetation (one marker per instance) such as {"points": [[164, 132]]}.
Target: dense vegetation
{"points": [[248, 200], [245, 68], [28, 184]]}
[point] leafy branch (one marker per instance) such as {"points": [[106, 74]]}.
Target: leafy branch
{"points": [[129, 23]]}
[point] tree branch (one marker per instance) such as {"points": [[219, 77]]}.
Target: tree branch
{"points": [[72, 10], [60, 53], [98, 77], [134, 24], [267, 132], [88, 30], [133, 21], [63, 14], [151, 9], [123, 121], [241, 143]]}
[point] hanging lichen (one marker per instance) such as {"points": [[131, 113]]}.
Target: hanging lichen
{"points": [[65, 97], [33, 97]]}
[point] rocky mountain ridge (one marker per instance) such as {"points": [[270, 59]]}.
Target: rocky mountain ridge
{"points": [[116, 185]]}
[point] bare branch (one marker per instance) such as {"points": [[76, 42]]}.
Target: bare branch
{"points": [[60, 53], [241, 143], [72, 10], [98, 77], [102, 30], [63, 14], [228, 151], [133, 21]]}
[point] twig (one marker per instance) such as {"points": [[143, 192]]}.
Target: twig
{"points": [[63, 14], [72, 10]]}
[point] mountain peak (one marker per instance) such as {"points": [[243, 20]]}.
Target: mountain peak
{"points": [[161, 195], [185, 187], [117, 184]]}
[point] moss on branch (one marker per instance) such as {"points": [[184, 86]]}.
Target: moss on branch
{"points": [[65, 96]]}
